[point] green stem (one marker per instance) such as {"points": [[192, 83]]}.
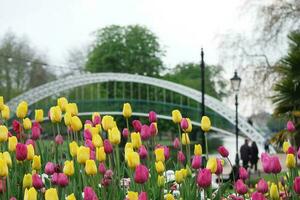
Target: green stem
{"points": [[179, 132], [206, 148]]}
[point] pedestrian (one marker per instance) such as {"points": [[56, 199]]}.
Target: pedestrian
{"points": [[267, 149], [245, 153], [254, 156]]}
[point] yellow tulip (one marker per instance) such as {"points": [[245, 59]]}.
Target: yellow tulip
{"points": [[7, 158], [69, 168], [132, 195], [39, 115], [36, 163], [127, 112], [127, 151], [27, 181], [159, 166], [88, 127], [67, 119], [285, 146], [212, 164], [114, 136], [184, 172], [12, 143], [22, 110], [185, 139], [160, 154], [169, 197], [136, 140], [30, 194], [107, 122], [3, 167], [190, 127], [178, 176], [73, 147], [176, 116], [55, 114], [3, 133], [95, 114], [30, 152], [5, 112], [62, 102], [98, 127], [133, 159], [198, 150], [160, 181], [100, 154], [83, 154], [97, 140], [95, 130], [274, 194], [290, 161], [1, 102], [51, 194], [205, 124], [71, 197], [72, 109], [27, 124], [90, 167], [76, 123]]}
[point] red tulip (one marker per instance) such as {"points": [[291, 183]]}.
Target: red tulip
{"points": [[35, 132], [266, 163], [125, 133], [153, 129], [297, 184], [141, 174], [257, 196], [50, 168], [101, 168], [290, 126], [143, 196], [16, 126], [223, 151], [184, 124], [108, 148], [196, 163], [97, 119], [143, 152], [21, 152], [59, 139], [243, 173], [37, 181], [219, 167], [166, 152], [275, 163], [180, 157], [152, 117], [176, 143], [62, 180], [145, 132], [291, 150], [87, 134], [89, 194], [262, 186], [54, 178], [137, 125], [204, 178], [240, 187]]}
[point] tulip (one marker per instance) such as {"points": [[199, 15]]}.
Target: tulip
{"points": [[1, 102], [92, 155], [125, 132], [30, 194], [127, 112], [212, 164], [169, 197], [36, 163], [153, 129], [205, 124], [223, 151], [76, 123], [30, 142], [22, 110], [240, 187], [3, 133], [198, 150], [166, 152], [7, 158], [176, 116], [136, 140], [108, 148], [290, 150], [71, 197], [59, 139], [143, 152], [243, 174], [87, 134], [96, 118], [27, 181], [290, 126], [3, 167], [219, 167], [275, 163], [274, 193], [137, 125], [89, 194], [21, 151], [27, 124], [185, 139], [160, 181], [159, 166], [62, 102], [180, 156], [179, 176], [132, 195], [39, 115], [62, 180], [35, 132], [114, 136], [37, 181], [54, 178], [68, 119], [184, 124], [290, 161], [100, 154], [297, 185], [90, 167], [266, 163], [5, 112], [72, 109], [69, 168], [285, 146], [12, 143], [30, 152], [196, 163], [160, 154], [143, 196], [145, 132], [83, 154], [101, 168], [257, 196], [176, 143], [133, 159], [16, 126], [152, 116], [204, 178], [51, 194], [141, 174], [262, 186], [49, 168], [55, 114], [97, 140], [107, 122]]}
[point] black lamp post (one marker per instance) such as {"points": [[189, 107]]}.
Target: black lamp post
{"points": [[202, 66], [235, 84]]}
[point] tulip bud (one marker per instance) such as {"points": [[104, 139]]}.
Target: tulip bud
{"points": [[96, 118], [176, 143], [39, 115], [262, 186], [132, 195], [290, 161], [22, 110], [185, 139], [67, 119], [101, 168], [62, 102], [204, 178], [1, 102], [3, 167], [143, 152], [145, 132], [179, 176], [136, 140], [49, 168], [137, 125], [257, 196], [275, 163], [266, 163], [107, 122], [21, 152], [72, 109], [3, 133], [100, 154], [5, 112], [71, 197], [212, 164], [152, 116], [143, 196], [125, 133], [160, 181], [97, 140], [30, 152], [90, 167], [89, 194], [205, 124], [62, 180], [290, 126], [83, 154], [30, 194], [180, 156], [55, 114], [114, 136], [240, 187], [12, 143], [27, 181], [127, 112], [36, 163], [73, 147], [166, 152], [176, 116], [59, 139], [133, 159], [35, 132], [69, 168], [159, 166], [198, 150], [51, 194], [223, 151], [243, 174], [219, 167], [285, 146], [160, 154], [196, 163], [297, 185], [153, 129], [108, 148], [290, 150], [184, 124], [274, 193], [76, 123], [27, 123], [141, 174], [37, 182]]}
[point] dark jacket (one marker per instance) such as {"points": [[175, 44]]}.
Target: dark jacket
{"points": [[254, 154], [245, 152]]}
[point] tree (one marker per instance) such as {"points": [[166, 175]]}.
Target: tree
{"points": [[130, 49], [20, 67]]}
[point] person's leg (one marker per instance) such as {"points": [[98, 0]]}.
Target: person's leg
{"points": [[255, 166]]}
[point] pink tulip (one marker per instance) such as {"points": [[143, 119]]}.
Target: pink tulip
{"points": [[37, 124], [166, 152], [143, 152], [184, 124], [143, 196], [204, 178], [30, 141], [89, 194], [240, 187], [50, 168], [266, 163], [62, 180], [176, 143], [12, 198], [88, 122], [106, 182], [101, 168], [137, 125], [59, 139], [243, 174], [88, 143], [87, 134], [297, 184], [196, 163], [223, 151], [21, 152], [290, 126], [233, 197], [145, 132], [275, 163], [92, 155], [180, 157], [262, 186], [219, 167], [152, 117], [54, 178], [257, 196], [141, 174], [153, 130], [291, 150], [35, 132], [125, 132], [37, 181], [108, 148], [97, 120], [16, 126], [108, 174]]}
